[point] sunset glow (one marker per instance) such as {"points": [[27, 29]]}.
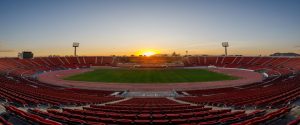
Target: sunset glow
{"points": [[149, 53]]}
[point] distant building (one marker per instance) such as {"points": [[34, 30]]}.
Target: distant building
{"points": [[285, 54], [25, 55], [160, 55]]}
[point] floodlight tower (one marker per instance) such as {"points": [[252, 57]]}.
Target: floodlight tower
{"points": [[225, 45], [75, 45]]}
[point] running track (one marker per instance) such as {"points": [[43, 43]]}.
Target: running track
{"points": [[55, 78]]}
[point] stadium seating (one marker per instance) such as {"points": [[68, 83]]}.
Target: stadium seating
{"points": [[4, 122], [266, 119], [284, 65], [204, 116], [295, 122], [277, 92], [154, 111], [30, 117], [90, 60], [24, 93]]}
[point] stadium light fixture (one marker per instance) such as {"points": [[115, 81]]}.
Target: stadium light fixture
{"points": [[225, 45], [75, 45]]}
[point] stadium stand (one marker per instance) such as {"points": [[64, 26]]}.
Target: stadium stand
{"points": [[34, 102], [29, 117], [279, 94], [4, 122], [24, 93], [295, 122], [153, 111], [144, 115]]}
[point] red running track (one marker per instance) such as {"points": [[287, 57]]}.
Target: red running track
{"points": [[55, 78]]}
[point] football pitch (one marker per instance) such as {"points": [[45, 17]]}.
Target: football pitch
{"points": [[150, 76]]}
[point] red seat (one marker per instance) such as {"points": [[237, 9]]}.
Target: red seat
{"points": [[160, 122], [208, 123], [172, 116], [178, 121], [158, 116], [124, 121], [144, 116], [142, 122]]}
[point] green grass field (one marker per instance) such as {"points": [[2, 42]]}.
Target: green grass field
{"points": [[150, 76]]}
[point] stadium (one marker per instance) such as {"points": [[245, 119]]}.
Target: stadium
{"points": [[241, 90], [115, 77]]}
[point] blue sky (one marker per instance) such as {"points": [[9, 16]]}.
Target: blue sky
{"points": [[124, 27]]}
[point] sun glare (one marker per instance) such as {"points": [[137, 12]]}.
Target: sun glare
{"points": [[149, 53]]}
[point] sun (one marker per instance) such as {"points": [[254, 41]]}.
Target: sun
{"points": [[149, 53]]}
